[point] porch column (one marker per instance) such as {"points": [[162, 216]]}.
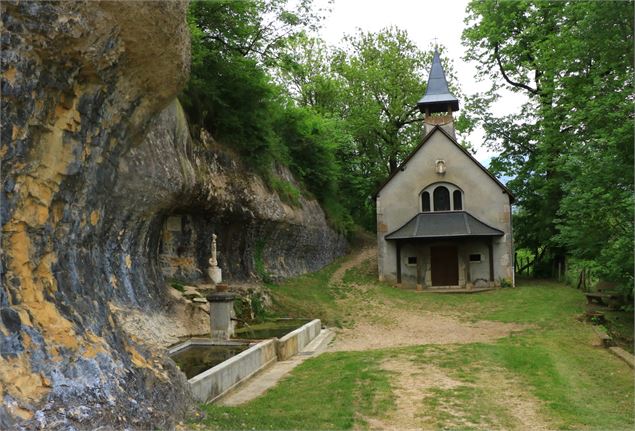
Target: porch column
{"points": [[419, 267], [398, 261], [466, 262], [490, 247]]}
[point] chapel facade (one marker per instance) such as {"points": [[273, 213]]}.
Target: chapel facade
{"points": [[443, 220]]}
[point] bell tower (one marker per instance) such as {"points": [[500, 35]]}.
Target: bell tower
{"points": [[438, 104]]}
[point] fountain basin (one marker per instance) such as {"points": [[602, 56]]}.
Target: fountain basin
{"points": [[245, 359], [295, 341], [210, 384], [196, 358]]}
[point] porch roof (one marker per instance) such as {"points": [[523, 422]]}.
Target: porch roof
{"points": [[443, 224]]}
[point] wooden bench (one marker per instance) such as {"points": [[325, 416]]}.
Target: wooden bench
{"points": [[605, 286], [608, 299]]}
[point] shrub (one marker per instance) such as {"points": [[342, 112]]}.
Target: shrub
{"points": [[178, 286]]}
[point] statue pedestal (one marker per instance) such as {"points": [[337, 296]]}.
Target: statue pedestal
{"points": [[215, 274], [220, 312]]}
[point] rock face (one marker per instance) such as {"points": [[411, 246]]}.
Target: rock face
{"points": [[196, 189], [96, 167]]}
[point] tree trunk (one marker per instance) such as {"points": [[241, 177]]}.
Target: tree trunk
{"points": [[392, 164]]}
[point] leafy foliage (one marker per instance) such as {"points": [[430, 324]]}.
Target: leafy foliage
{"points": [[238, 53], [341, 118], [229, 93], [571, 148], [383, 75], [368, 87]]}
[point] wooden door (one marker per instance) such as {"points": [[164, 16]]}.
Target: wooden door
{"points": [[444, 262]]}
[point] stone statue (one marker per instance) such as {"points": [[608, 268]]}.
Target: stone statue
{"points": [[214, 272], [213, 261]]}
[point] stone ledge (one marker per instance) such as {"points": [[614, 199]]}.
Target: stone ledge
{"points": [[623, 355]]}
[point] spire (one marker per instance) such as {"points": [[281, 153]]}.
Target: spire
{"points": [[438, 97]]}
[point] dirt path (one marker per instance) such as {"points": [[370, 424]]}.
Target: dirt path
{"points": [[364, 255], [412, 386], [413, 329], [424, 402], [425, 392], [380, 325]]}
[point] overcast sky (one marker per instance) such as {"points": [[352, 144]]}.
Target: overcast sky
{"points": [[423, 20]]}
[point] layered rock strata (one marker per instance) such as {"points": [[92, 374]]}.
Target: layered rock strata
{"points": [[96, 158]]}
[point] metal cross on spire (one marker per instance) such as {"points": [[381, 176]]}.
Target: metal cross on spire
{"points": [[436, 44]]}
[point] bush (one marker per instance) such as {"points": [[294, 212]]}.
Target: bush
{"points": [[287, 191], [505, 282], [231, 93]]}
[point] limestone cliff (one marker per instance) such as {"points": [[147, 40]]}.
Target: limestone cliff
{"points": [[97, 169], [185, 190]]}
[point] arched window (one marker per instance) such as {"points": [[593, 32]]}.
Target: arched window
{"points": [[425, 202], [441, 199], [458, 202]]}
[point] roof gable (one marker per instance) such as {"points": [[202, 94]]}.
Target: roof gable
{"points": [[425, 139]]}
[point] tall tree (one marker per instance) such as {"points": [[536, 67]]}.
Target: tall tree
{"points": [[235, 45], [571, 147], [305, 71], [370, 84], [384, 76]]}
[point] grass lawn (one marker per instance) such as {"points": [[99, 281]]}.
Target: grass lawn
{"points": [[310, 296], [554, 362], [322, 393]]}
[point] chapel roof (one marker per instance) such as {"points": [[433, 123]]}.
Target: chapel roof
{"points": [[438, 95], [444, 224], [426, 138]]}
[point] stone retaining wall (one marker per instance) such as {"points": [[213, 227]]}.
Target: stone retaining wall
{"points": [[295, 341], [214, 382]]}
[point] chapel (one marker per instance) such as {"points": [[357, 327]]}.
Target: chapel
{"points": [[443, 220]]}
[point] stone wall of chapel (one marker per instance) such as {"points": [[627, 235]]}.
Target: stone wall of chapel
{"points": [[400, 199]]}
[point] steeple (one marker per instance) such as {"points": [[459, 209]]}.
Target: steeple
{"points": [[438, 99]]}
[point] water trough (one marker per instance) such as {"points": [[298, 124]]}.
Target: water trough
{"points": [[212, 383]]}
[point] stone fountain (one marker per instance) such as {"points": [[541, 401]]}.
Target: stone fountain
{"points": [[221, 305]]}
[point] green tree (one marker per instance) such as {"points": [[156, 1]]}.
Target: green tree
{"points": [[371, 84], [241, 54], [235, 44], [305, 71], [571, 147], [313, 142], [383, 77]]}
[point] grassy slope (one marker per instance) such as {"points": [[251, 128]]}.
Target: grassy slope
{"points": [[579, 386]]}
